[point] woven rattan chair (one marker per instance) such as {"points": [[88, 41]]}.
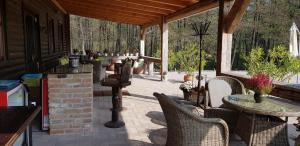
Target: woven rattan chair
{"points": [[188, 129], [218, 88], [257, 130], [297, 141]]}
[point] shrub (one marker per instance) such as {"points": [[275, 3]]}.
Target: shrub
{"points": [[189, 59], [278, 64]]}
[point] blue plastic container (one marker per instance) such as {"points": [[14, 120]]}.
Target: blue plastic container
{"points": [[6, 85]]}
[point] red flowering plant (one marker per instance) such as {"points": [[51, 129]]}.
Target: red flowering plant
{"points": [[261, 83]]}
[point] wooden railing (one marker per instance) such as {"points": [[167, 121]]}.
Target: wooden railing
{"points": [[151, 59]]}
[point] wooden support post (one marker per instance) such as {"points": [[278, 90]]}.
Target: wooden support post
{"points": [[150, 68], [142, 41], [230, 15], [235, 15], [224, 40], [164, 49]]}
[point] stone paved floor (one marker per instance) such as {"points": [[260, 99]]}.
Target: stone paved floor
{"points": [[142, 116]]}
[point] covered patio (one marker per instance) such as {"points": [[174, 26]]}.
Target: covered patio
{"points": [[78, 112], [153, 12]]}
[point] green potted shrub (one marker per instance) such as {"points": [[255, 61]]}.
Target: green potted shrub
{"points": [[189, 59]]}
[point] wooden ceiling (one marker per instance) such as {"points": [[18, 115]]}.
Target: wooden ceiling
{"points": [[137, 12]]}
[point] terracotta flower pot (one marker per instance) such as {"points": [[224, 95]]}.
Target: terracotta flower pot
{"points": [[188, 78], [138, 70]]}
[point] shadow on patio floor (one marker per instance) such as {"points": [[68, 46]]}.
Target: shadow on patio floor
{"points": [[157, 117]]}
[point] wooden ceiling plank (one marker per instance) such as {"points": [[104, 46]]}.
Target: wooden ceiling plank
{"points": [[71, 8], [151, 4], [113, 19], [122, 4], [103, 7], [174, 2], [235, 15], [117, 18]]}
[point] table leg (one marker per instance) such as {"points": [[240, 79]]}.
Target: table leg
{"points": [[30, 135], [115, 122]]}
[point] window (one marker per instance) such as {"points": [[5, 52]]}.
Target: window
{"points": [[2, 39], [60, 37], [51, 39]]}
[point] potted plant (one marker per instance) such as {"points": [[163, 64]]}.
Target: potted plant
{"points": [[189, 59], [186, 88], [189, 75], [262, 85]]}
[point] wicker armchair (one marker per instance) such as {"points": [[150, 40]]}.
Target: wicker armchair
{"points": [[297, 141], [218, 88], [188, 129]]}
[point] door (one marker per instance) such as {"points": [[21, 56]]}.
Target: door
{"points": [[32, 41]]}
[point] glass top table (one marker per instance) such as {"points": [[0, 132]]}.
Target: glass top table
{"points": [[270, 106]]}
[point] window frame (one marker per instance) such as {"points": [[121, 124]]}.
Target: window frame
{"points": [[60, 36], [3, 46], [51, 35]]}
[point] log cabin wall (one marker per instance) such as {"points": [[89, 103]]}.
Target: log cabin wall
{"points": [[14, 64]]}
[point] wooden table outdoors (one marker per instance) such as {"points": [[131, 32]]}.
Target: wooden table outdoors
{"points": [[262, 123], [14, 121]]}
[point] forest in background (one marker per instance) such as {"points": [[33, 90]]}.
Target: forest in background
{"points": [[265, 24]]}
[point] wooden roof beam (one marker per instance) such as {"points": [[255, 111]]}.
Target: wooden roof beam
{"points": [[57, 4], [152, 23], [201, 6], [234, 17]]}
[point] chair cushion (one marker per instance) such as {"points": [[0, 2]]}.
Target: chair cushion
{"points": [[217, 89]]}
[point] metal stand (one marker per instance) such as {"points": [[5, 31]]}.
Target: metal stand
{"points": [[115, 112], [120, 98], [200, 31]]}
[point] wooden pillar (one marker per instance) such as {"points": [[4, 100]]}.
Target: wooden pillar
{"points": [[150, 68], [224, 40], [142, 41], [164, 48], [230, 16]]}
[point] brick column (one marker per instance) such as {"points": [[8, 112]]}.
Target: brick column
{"points": [[70, 103]]}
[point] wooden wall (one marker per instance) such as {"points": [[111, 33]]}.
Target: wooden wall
{"points": [[14, 65]]}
